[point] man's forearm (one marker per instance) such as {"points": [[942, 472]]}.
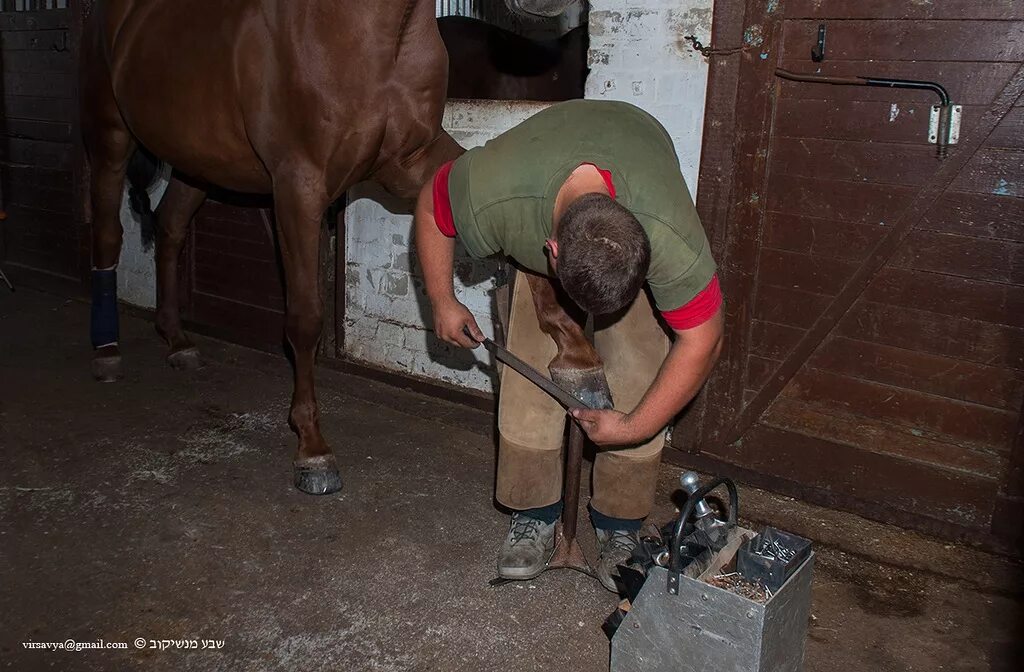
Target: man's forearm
{"points": [[682, 374], [436, 253]]}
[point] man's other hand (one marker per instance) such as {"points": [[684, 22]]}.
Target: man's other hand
{"points": [[608, 428], [450, 317]]}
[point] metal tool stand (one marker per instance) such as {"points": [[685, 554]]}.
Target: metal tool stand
{"points": [[567, 554]]}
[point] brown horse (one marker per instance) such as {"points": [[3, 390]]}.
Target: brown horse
{"points": [[296, 99]]}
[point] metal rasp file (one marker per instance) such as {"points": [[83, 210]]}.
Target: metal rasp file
{"points": [[559, 393]]}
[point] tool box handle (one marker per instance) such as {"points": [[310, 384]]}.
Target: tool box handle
{"points": [[674, 552]]}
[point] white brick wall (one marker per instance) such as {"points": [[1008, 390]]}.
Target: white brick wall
{"points": [[637, 54], [387, 314], [136, 269]]}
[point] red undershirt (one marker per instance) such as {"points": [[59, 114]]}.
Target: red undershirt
{"points": [[696, 312]]}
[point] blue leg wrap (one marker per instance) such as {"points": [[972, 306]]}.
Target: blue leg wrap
{"points": [[104, 328]]}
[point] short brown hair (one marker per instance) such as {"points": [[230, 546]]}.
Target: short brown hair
{"points": [[603, 254]]}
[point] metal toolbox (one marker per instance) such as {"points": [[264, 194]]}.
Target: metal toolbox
{"points": [[682, 623]]}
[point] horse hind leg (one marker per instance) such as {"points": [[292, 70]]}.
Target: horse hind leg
{"points": [[179, 204]]}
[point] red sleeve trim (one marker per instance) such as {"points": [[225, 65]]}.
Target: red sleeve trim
{"points": [[699, 310], [442, 202], [606, 174]]}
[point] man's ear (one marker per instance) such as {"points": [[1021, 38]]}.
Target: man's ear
{"points": [[552, 245]]}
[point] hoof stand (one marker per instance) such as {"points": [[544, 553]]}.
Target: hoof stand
{"points": [[317, 475]]}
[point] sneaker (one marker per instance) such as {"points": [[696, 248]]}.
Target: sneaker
{"points": [[527, 548], [616, 548]]}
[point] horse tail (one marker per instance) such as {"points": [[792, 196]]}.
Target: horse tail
{"points": [[141, 173]]}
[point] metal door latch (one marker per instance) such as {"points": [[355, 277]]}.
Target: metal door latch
{"points": [[944, 122]]}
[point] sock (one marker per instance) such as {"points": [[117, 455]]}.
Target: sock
{"points": [[104, 326], [545, 514], [605, 522]]}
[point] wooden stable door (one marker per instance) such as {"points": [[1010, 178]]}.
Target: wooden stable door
{"points": [[875, 293]]}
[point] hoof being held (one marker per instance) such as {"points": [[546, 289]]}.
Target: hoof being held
{"points": [[317, 475], [185, 360], [588, 385], [107, 368]]}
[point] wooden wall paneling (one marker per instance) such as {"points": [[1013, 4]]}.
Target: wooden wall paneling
{"points": [[925, 370], [747, 194], [886, 9], [966, 424], [879, 39], [901, 227], [820, 236], [924, 331], [878, 436], [990, 386], [1008, 513], [41, 154], [236, 286], [854, 478], [717, 169]]}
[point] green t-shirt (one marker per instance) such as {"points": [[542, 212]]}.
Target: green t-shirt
{"points": [[503, 194]]}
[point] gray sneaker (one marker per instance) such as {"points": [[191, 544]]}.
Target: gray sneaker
{"points": [[527, 548], [616, 547]]}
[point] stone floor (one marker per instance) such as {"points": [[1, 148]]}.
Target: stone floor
{"points": [[161, 508]]}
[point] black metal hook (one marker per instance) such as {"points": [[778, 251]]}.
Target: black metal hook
{"points": [[675, 567], [63, 46], [818, 52]]}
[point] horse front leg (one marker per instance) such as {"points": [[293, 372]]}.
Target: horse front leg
{"points": [[300, 199], [576, 366]]}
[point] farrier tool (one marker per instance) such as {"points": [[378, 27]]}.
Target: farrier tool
{"points": [[568, 554]]}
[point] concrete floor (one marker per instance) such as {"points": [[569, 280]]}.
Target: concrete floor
{"points": [[161, 508]]}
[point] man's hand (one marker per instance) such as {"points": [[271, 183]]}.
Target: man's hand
{"points": [[608, 428], [450, 317]]}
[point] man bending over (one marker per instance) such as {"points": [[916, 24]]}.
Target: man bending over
{"points": [[590, 194]]}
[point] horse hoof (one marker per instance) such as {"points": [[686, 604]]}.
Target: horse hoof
{"points": [[185, 360], [317, 475], [107, 369], [588, 385]]}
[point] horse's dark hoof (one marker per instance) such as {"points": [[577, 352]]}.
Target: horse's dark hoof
{"points": [[107, 369], [185, 360], [317, 475], [588, 385]]}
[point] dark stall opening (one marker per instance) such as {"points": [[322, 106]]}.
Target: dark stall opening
{"points": [[491, 62]]}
